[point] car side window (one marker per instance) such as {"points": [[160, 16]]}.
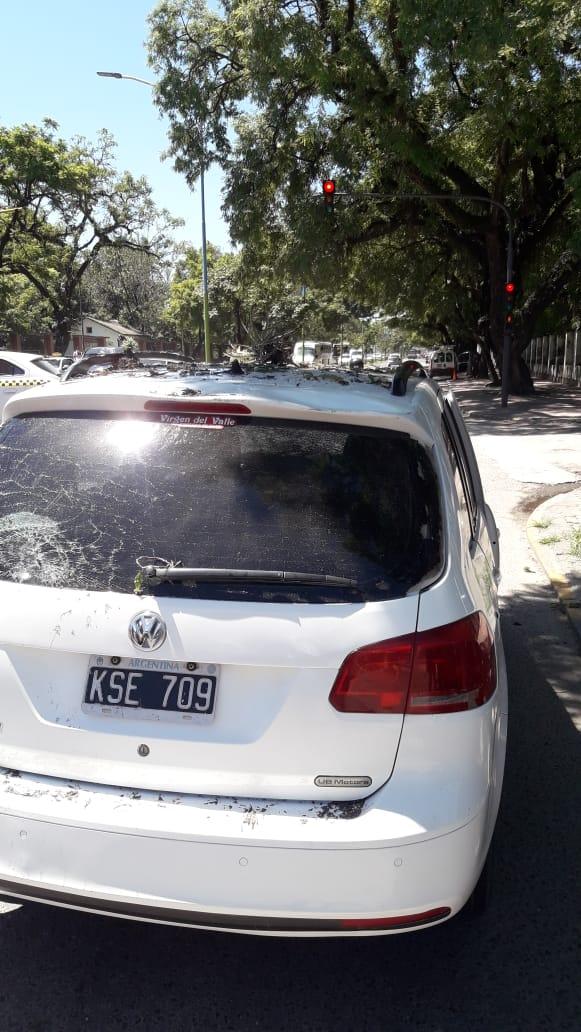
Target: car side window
{"points": [[462, 476], [8, 369]]}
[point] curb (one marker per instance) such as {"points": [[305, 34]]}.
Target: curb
{"points": [[558, 580]]}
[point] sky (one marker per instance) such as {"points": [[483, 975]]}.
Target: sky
{"points": [[51, 52]]}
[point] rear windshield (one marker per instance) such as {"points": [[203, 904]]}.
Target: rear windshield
{"points": [[81, 497], [48, 365]]}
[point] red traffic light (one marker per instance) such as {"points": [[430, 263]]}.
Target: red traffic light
{"points": [[328, 187], [509, 288]]}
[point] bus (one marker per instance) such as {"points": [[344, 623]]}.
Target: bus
{"points": [[312, 352]]}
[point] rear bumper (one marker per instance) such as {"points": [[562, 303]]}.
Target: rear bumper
{"points": [[255, 866]]}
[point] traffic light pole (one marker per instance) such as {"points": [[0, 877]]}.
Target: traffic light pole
{"points": [[507, 340], [506, 347]]}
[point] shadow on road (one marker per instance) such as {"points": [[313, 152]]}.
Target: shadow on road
{"points": [[514, 969], [554, 409]]}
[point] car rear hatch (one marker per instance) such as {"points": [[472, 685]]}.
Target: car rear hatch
{"points": [[197, 685]]}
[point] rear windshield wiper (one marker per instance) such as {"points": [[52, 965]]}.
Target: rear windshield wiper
{"points": [[156, 574]]}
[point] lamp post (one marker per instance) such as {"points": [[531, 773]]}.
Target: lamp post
{"points": [[207, 349]]}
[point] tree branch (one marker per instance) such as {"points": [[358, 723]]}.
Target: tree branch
{"points": [[566, 266]]}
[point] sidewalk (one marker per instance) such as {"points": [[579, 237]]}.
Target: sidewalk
{"points": [[534, 447], [554, 533]]}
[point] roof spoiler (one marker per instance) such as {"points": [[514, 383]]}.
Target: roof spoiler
{"points": [[402, 374]]}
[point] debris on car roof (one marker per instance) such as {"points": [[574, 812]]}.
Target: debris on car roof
{"points": [[116, 360]]}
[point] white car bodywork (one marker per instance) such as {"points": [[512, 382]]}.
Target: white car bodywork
{"points": [[25, 373], [236, 800]]}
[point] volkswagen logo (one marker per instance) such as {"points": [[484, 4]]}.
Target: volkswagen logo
{"points": [[147, 631]]}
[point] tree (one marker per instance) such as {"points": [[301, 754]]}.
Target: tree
{"points": [[454, 97], [130, 286], [254, 304], [70, 205], [184, 311], [22, 310]]}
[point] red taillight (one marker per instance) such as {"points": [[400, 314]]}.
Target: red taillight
{"points": [[407, 921], [443, 670], [454, 667], [375, 679]]}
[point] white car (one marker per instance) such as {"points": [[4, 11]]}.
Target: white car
{"points": [[394, 360], [443, 363], [251, 667], [20, 370], [59, 364]]}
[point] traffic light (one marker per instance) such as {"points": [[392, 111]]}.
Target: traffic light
{"points": [[509, 289], [329, 194]]}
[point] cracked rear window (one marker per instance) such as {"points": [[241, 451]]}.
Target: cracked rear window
{"points": [[81, 497]]}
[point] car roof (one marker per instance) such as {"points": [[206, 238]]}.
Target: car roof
{"points": [[18, 356], [323, 395]]}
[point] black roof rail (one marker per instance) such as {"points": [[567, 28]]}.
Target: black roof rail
{"points": [[402, 375]]}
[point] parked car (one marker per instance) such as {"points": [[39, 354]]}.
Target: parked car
{"points": [[101, 350], [20, 370], [464, 361], [59, 363], [443, 363], [356, 358], [266, 607], [394, 360]]}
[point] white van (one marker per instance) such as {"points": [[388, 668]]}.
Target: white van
{"points": [[443, 363], [312, 352]]}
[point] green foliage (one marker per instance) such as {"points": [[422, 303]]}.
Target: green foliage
{"points": [[131, 286], [69, 204], [453, 97], [22, 310], [254, 304]]}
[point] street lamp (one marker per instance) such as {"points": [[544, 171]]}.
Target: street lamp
{"points": [[207, 349]]}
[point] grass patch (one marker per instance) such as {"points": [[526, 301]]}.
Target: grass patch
{"points": [[575, 548], [549, 540], [541, 524]]}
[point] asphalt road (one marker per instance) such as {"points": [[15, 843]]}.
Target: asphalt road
{"points": [[517, 968]]}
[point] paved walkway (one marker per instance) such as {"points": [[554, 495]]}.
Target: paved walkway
{"points": [[532, 452]]}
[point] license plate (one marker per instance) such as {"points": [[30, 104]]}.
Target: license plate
{"points": [[151, 689]]}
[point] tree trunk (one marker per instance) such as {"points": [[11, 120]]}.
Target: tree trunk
{"points": [[486, 352], [238, 321], [521, 382], [496, 278], [520, 377], [62, 331]]}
